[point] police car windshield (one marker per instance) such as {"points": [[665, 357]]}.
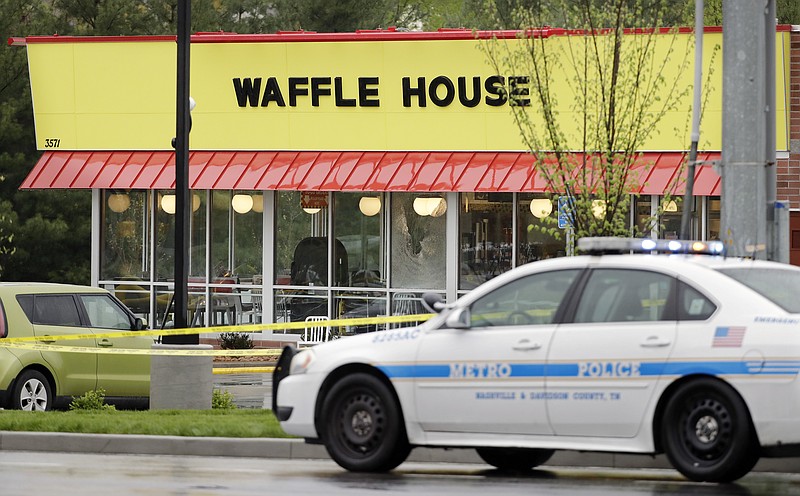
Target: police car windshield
{"points": [[780, 286]]}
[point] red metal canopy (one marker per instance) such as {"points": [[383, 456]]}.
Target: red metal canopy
{"points": [[338, 171]]}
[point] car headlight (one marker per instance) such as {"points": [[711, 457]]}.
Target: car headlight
{"points": [[301, 362]]}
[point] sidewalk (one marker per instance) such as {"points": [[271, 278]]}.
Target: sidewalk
{"points": [[297, 449]]}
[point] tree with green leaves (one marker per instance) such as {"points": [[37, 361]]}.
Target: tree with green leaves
{"points": [[596, 96]]}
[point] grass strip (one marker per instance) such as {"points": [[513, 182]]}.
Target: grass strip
{"points": [[241, 423]]}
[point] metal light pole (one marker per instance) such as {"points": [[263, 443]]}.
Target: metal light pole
{"points": [[688, 197], [182, 205]]}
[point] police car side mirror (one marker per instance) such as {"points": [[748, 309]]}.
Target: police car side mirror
{"points": [[458, 319], [433, 302]]}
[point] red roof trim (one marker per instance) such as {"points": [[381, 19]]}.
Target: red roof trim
{"points": [[414, 171]]}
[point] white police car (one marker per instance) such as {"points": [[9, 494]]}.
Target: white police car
{"points": [[696, 356]]}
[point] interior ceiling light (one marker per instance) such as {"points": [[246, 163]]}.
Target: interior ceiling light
{"points": [[541, 207], [119, 202], [242, 203], [370, 205], [430, 206]]}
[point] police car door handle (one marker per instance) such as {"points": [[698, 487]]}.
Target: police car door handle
{"points": [[526, 345], [654, 342], [105, 343]]}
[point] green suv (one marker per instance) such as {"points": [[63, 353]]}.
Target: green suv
{"points": [[45, 379]]}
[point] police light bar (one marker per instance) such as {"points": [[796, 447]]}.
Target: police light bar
{"points": [[598, 246]]}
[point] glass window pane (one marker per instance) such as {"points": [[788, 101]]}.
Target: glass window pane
{"points": [[125, 235], [165, 235], [419, 255], [26, 303], [360, 304], [104, 313], [301, 241], [248, 238], [671, 218], [533, 240], [780, 286], [644, 216], [712, 227], [616, 295], [221, 217], [56, 310], [292, 306], [693, 305], [485, 234], [361, 238], [529, 300]]}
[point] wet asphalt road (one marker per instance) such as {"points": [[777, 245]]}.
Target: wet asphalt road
{"points": [[36, 473]]}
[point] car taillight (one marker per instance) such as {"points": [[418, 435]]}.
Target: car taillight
{"points": [[3, 321]]}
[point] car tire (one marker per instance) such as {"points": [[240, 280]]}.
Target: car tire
{"points": [[32, 392], [363, 427], [514, 459], [707, 432]]}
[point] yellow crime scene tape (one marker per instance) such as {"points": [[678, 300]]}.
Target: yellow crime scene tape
{"points": [[35, 342], [242, 370]]}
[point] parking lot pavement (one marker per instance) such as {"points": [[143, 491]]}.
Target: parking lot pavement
{"points": [[249, 390]]}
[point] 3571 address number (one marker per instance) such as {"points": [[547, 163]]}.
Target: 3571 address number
{"points": [[52, 142]]}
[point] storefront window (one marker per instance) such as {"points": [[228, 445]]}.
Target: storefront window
{"points": [[357, 224], [533, 240], [125, 236], [418, 248], [671, 218], [301, 241], [297, 306], [248, 237], [644, 216], [360, 304], [485, 234], [236, 236], [165, 236], [712, 227]]}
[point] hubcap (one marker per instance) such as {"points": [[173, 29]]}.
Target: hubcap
{"points": [[33, 396], [706, 429], [361, 423]]}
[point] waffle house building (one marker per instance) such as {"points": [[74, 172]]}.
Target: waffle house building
{"points": [[333, 175]]}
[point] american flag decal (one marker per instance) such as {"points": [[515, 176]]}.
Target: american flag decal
{"points": [[728, 337]]}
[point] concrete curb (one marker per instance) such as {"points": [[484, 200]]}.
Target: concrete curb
{"points": [[297, 449]]}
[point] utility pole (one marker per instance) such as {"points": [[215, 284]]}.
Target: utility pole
{"points": [[748, 136]]}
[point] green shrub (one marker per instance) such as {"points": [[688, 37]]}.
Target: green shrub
{"points": [[91, 400], [222, 400], [235, 341]]}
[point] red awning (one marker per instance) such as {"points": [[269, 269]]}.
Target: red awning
{"points": [[337, 171]]}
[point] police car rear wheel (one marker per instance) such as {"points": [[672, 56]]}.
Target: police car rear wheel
{"points": [[364, 428], [707, 433], [514, 459]]}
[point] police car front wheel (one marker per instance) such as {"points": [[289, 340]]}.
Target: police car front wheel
{"points": [[363, 427], [514, 459], [707, 432]]}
